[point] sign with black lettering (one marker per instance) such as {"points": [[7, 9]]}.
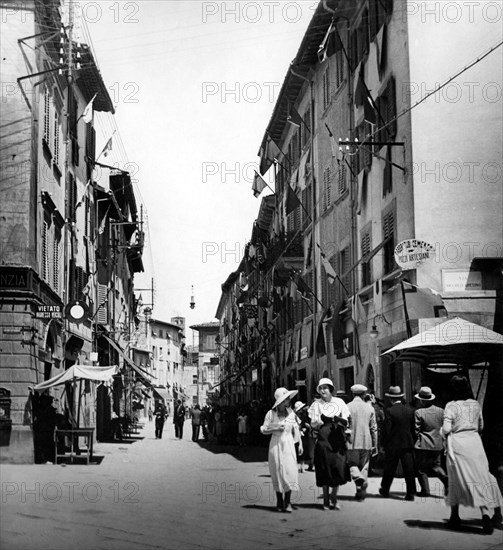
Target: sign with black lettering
{"points": [[49, 312]]}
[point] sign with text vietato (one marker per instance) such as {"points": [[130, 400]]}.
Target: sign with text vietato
{"points": [[412, 253]]}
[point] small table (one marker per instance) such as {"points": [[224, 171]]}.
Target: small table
{"points": [[74, 435]]}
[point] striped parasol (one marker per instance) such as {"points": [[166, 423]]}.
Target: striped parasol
{"points": [[454, 341]]}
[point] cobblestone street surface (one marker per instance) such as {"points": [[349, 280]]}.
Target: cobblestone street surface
{"points": [[171, 494]]}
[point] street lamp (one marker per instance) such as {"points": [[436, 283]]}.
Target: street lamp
{"points": [[192, 302]]}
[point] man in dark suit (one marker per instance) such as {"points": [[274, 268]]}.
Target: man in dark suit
{"points": [[179, 418], [160, 417], [398, 443], [429, 444]]}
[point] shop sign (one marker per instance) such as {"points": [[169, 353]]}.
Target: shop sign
{"points": [[48, 312], [14, 278], [461, 280], [412, 253], [303, 353], [254, 375]]}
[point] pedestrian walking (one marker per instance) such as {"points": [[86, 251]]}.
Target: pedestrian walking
{"points": [[195, 415], [150, 413], [281, 424], [242, 421], [329, 416], [429, 445], [306, 434], [363, 442], [470, 482], [398, 443], [179, 418], [160, 417]]}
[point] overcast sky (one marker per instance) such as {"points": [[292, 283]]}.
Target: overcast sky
{"points": [[195, 84]]}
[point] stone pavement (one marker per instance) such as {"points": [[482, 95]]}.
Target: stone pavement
{"points": [[171, 494]]}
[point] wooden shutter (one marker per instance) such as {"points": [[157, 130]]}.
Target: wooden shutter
{"points": [[326, 187], [47, 115], [56, 158], [102, 311], [55, 260], [341, 179], [366, 266], [389, 247], [45, 251], [373, 18]]}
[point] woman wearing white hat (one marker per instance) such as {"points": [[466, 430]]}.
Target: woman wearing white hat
{"points": [[329, 415], [280, 422]]}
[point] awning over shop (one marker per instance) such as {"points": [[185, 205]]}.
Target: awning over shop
{"points": [[79, 372], [144, 375], [163, 393]]}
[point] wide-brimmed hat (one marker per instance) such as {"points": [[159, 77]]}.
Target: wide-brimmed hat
{"points": [[298, 405], [425, 394], [323, 382], [394, 391], [281, 394], [358, 388]]}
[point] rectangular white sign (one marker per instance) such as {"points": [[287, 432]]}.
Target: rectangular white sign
{"points": [[461, 280]]}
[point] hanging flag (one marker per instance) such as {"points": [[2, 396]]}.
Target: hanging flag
{"points": [[330, 44], [81, 201], [422, 303], [293, 116], [362, 183], [308, 253], [360, 91], [387, 180], [292, 201], [107, 148], [333, 144], [337, 329], [259, 184], [268, 153], [378, 296], [357, 310], [369, 113], [329, 270], [103, 223], [303, 287], [88, 113]]}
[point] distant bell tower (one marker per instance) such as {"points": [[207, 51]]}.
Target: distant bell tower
{"points": [[180, 321]]}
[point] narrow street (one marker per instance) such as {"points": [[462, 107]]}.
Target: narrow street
{"points": [[172, 494]]}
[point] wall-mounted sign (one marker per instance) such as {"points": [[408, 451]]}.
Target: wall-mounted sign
{"points": [[76, 311], [49, 312], [254, 375], [412, 253], [461, 280]]}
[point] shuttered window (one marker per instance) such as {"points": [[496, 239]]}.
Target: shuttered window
{"points": [[327, 96], [388, 226], [386, 106], [45, 251], [344, 265], [102, 305], [339, 67], [341, 178], [71, 194], [56, 141], [365, 152], [366, 266], [327, 185], [56, 250], [47, 117]]}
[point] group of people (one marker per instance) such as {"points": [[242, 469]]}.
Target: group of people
{"points": [[339, 439]]}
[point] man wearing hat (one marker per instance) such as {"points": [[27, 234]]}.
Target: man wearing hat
{"points": [[363, 441], [398, 443], [429, 445]]}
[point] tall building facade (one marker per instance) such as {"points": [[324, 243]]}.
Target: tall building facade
{"points": [[69, 247], [386, 155]]}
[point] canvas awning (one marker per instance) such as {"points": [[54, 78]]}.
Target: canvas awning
{"points": [[163, 393], [79, 372], [144, 375]]}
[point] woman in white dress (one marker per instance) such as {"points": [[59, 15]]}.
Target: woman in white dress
{"points": [[470, 483], [280, 422]]}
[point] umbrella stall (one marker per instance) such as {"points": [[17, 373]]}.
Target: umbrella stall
{"points": [[452, 346], [72, 377]]}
